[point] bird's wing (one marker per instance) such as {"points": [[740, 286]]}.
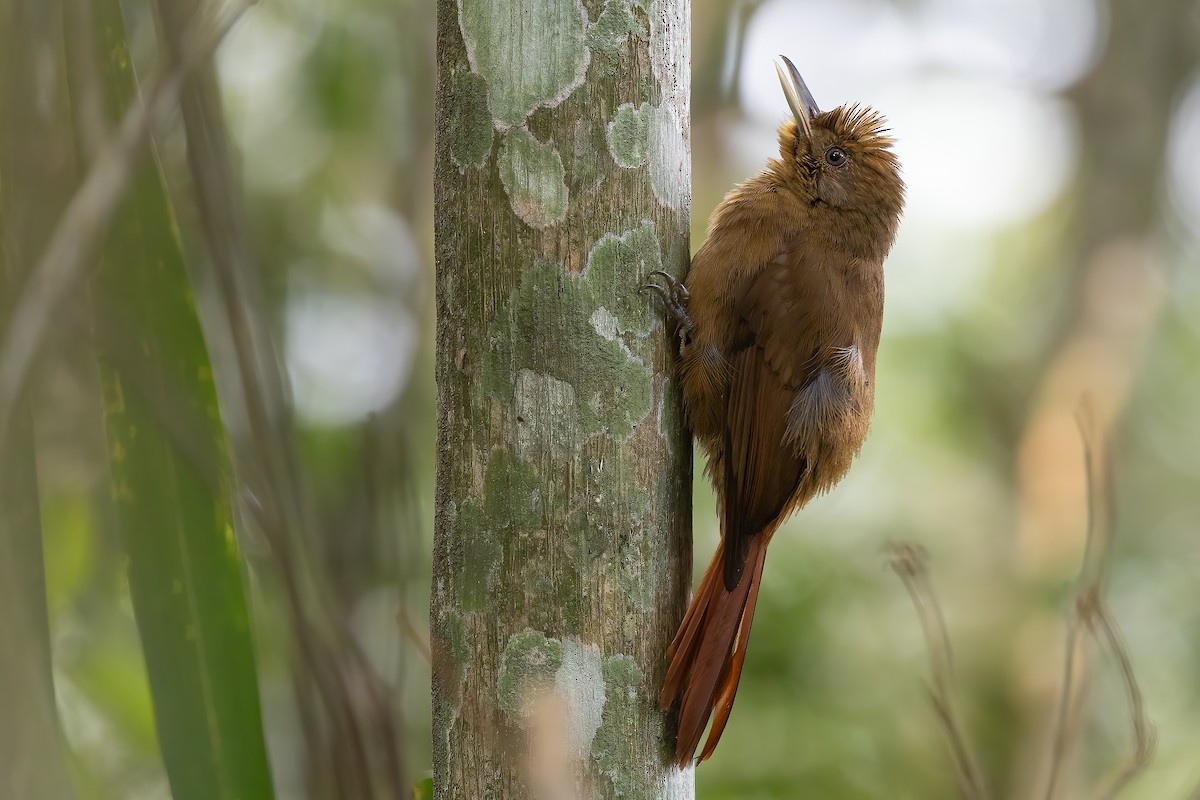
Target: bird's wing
{"points": [[777, 355]]}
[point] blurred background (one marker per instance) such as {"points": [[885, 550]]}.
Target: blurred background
{"points": [[1050, 251]]}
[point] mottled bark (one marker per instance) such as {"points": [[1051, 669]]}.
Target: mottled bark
{"points": [[562, 544]]}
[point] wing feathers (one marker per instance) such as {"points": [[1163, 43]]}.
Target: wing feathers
{"points": [[762, 471]]}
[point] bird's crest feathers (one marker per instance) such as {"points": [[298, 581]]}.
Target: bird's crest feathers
{"points": [[854, 124]]}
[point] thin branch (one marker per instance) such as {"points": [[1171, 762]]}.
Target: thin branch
{"points": [[1065, 717], [66, 261], [1105, 627], [1100, 621], [909, 563], [1091, 612], [318, 658]]}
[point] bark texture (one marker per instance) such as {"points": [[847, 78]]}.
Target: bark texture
{"points": [[562, 545]]}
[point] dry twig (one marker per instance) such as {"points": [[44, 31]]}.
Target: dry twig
{"points": [[1094, 608], [1104, 627], [1089, 612], [1067, 713], [910, 563]]}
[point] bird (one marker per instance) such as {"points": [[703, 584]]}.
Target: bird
{"points": [[779, 320]]}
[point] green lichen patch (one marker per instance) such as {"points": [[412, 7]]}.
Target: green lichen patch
{"points": [[586, 149], [512, 492], [554, 596], [455, 631], [629, 135], [616, 267], [653, 135], [608, 537], [470, 131], [613, 747], [587, 532], [528, 668], [513, 508], [531, 54], [480, 560], [613, 26], [449, 642], [547, 329], [533, 177]]}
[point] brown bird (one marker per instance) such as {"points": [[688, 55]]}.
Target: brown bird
{"points": [[779, 323]]}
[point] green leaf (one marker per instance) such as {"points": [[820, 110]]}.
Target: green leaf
{"points": [[170, 474], [423, 790]]}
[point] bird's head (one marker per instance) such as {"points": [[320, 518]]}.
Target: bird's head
{"points": [[841, 161]]}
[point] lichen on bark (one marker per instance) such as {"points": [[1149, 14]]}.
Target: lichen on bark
{"points": [[531, 53], [562, 546], [533, 177]]}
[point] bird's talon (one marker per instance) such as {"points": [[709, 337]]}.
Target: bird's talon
{"points": [[674, 296], [647, 288]]}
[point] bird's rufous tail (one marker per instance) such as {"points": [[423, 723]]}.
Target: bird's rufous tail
{"points": [[707, 654]]}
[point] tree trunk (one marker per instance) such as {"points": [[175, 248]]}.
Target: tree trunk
{"points": [[562, 544]]}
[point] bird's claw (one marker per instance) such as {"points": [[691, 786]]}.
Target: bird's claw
{"points": [[674, 296]]}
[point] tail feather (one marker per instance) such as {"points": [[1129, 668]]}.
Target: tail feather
{"points": [[729, 682], [682, 650], [708, 653]]}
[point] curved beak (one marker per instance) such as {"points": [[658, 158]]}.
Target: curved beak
{"points": [[799, 98]]}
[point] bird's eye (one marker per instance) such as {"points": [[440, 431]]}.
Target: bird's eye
{"points": [[836, 156]]}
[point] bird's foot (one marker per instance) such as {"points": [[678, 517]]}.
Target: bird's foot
{"points": [[674, 296]]}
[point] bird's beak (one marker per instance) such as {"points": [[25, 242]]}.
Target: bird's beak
{"points": [[804, 108]]}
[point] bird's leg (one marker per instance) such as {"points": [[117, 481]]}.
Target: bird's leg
{"points": [[674, 296]]}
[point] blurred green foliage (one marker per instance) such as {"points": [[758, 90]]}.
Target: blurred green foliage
{"points": [[171, 488], [994, 330]]}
